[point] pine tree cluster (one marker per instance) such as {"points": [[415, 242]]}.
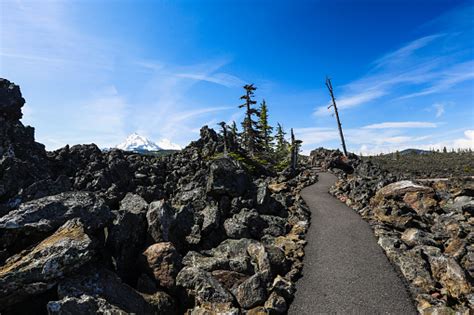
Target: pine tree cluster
{"points": [[257, 138]]}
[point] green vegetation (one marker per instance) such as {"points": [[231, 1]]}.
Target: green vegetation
{"points": [[256, 146]]}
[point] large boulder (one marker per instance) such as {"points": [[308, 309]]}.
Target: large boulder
{"points": [[399, 189], [39, 269], [163, 262], [35, 219], [226, 177], [202, 286], [251, 292], [101, 283]]}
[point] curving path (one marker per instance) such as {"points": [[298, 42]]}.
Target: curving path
{"points": [[345, 271]]}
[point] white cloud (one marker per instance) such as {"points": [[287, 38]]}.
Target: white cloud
{"points": [[439, 108], [351, 101], [401, 54], [401, 124], [466, 142], [224, 79]]}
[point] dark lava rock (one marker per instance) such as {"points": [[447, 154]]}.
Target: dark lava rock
{"points": [[35, 219], [227, 178], [40, 268], [103, 284]]}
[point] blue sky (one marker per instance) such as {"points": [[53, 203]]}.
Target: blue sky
{"points": [[96, 71]]}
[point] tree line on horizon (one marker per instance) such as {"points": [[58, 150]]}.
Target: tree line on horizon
{"points": [[257, 137]]}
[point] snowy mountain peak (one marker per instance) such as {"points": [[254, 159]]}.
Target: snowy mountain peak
{"points": [[137, 143], [166, 144]]}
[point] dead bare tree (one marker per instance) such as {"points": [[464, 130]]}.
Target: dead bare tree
{"points": [[331, 92]]}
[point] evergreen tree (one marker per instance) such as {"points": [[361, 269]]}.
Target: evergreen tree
{"points": [[233, 135], [445, 150], [250, 136], [224, 134], [281, 143], [264, 128]]}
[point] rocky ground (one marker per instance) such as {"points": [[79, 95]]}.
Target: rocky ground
{"points": [[425, 228], [426, 165], [85, 231]]}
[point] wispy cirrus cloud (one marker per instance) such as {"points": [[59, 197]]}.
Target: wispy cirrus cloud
{"points": [[401, 124], [439, 109], [427, 65], [224, 79]]}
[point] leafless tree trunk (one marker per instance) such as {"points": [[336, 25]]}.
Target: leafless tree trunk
{"points": [[329, 85]]}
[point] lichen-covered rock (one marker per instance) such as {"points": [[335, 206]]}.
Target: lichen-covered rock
{"points": [[35, 219], [276, 304], [251, 292], [202, 286], [104, 284], [38, 269], [413, 237], [450, 275], [227, 178], [163, 261], [399, 189], [84, 304]]}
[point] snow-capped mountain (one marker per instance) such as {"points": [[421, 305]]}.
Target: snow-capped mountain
{"points": [[137, 143], [166, 144]]}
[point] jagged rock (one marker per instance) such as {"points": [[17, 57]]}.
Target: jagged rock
{"points": [[208, 263], [455, 248], [212, 218], [392, 216], [164, 262], [84, 304], [276, 304], [414, 268], [39, 217], [11, 100], [160, 215], [227, 178], [450, 275], [38, 269], [399, 189], [104, 284], [251, 292], [202, 286], [413, 237], [228, 278], [134, 203], [421, 202], [277, 187], [259, 255], [245, 224], [214, 309], [46, 187], [125, 240], [283, 287], [274, 225], [166, 223]]}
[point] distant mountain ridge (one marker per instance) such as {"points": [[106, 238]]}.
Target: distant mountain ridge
{"points": [[141, 144]]}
